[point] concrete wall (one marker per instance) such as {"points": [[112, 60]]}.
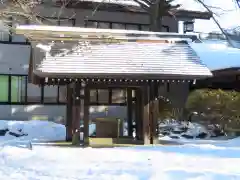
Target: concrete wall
{"points": [[14, 59], [25, 112]]}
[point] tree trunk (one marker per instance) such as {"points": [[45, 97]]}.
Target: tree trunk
{"points": [[156, 16]]}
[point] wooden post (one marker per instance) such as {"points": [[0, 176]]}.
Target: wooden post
{"points": [[86, 115], [146, 115], [76, 114], [139, 114], [154, 113], [129, 112], [69, 117]]}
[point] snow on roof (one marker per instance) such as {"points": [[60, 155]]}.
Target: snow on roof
{"points": [[121, 2], [189, 5], [61, 31], [81, 30], [185, 4], [217, 56]]}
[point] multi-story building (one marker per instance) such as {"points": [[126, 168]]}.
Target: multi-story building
{"points": [[21, 100]]}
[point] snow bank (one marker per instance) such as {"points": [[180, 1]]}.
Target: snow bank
{"points": [[34, 130], [39, 131]]}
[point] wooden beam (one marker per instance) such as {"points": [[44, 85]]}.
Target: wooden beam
{"points": [[129, 111], [69, 114], [146, 117], [86, 115], [139, 114], [76, 111], [154, 111]]}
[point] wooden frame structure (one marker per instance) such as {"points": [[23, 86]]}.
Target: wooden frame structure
{"points": [[145, 84]]}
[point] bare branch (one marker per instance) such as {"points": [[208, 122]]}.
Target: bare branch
{"points": [[144, 6], [216, 21]]}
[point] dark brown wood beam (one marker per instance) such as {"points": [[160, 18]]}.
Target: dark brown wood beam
{"points": [[139, 114], [146, 115], [86, 115], [69, 114], [129, 112], [76, 111]]}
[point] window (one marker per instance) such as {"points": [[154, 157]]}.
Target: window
{"points": [[18, 88], [118, 26], [91, 24], [104, 25], [165, 29], [4, 88], [93, 95], [133, 26], [54, 21], [50, 94], [115, 25], [144, 27], [19, 21], [118, 96], [66, 22], [133, 93], [4, 30], [33, 93], [103, 96], [62, 94], [15, 89]]}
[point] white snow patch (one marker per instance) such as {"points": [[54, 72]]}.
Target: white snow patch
{"points": [[50, 163], [36, 130]]}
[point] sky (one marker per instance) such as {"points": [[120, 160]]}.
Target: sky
{"points": [[226, 10]]}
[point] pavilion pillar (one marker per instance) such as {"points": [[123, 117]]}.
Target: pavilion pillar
{"points": [[153, 107], [146, 115], [86, 105], [129, 112], [76, 114], [139, 114], [150, 115], [69, 117]]}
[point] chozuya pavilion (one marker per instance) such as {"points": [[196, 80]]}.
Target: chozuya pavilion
{"points": [[148, 66]]}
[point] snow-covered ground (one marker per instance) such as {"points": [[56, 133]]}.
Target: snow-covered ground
{"points": [[137, 163], [192, 161]]}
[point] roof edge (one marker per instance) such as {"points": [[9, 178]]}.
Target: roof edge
{"points": [[114, 7], [36, 31]]}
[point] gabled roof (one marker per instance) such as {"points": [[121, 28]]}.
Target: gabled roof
{"points": [[94, 53], [118, 60]]}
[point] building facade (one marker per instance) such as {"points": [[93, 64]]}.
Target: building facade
{"points": [[21, 100]]}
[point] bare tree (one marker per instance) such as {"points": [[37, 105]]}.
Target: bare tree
{"points": [[157, 9], [208, 8], [13, 12], [18, 8]]}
